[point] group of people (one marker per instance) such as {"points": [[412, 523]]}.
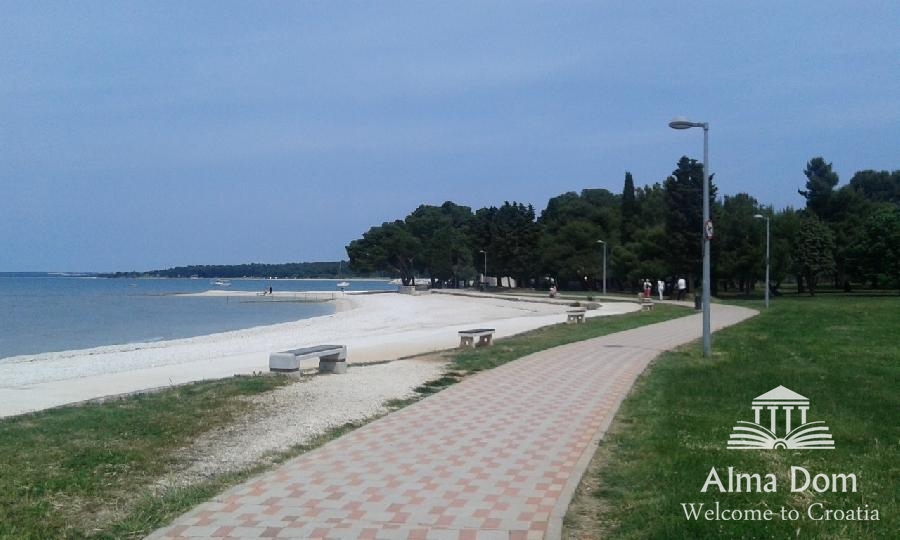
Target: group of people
{"points": [[680, 285]]}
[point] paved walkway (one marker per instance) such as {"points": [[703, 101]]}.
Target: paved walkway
{"points": [[497, 456]]}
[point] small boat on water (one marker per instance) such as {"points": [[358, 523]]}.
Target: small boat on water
{"points": [[343, 285], [221, 283]]}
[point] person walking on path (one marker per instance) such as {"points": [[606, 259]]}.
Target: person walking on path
{"points": [[682, 287], [647, 288], [661, 287]]}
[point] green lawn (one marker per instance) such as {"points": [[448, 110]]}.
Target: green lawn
{"points": [[74, 472], [843, 353]]}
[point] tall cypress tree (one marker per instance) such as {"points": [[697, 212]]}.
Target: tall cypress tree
{"points": [[814, 251], [629, 210]]}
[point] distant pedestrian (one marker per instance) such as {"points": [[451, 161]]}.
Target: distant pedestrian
{"points": [[661, 287], [270, 291], [682, 288], [647, 288]]}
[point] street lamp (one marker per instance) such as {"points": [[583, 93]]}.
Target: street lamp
{"points": [[760, 216], [604, 264], [484, 279], [683, 123]]}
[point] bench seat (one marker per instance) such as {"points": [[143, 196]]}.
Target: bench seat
{"points": [[575, 316], [332, 359], [484, 335]]}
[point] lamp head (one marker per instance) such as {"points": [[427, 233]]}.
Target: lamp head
{"points": [[680, 122], [759, 216]]}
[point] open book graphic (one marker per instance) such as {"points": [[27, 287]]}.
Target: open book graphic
{"points": [[751, 436]]}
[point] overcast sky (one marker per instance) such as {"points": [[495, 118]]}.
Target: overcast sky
{"points": [[142, 135]]}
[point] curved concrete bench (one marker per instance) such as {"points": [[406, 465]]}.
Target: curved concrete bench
{"points": [[332, 359]]}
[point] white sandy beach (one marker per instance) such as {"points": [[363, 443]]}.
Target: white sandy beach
{"points": [[374, 327]]}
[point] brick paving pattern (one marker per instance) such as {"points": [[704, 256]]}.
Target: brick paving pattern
{"points": [[496, 456]]}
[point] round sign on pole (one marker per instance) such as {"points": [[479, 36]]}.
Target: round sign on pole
{"points": [[708, 227]]}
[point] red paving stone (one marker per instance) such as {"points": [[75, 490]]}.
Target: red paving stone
{"points": [[496, 456]]}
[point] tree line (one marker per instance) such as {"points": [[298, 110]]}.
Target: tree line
{"points": [[848, 235], [304, 270]]}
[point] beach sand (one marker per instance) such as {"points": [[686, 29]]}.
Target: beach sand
{"points": [[374, 327]]}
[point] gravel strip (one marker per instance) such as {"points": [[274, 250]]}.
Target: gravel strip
{"points": [[297, 413]]}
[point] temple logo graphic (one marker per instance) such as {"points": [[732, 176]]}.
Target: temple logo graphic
{"points": [[805, 436]]}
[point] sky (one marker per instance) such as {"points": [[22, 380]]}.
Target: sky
{"points": [[145, 135]]}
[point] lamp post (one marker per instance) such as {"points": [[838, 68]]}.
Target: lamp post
{"points": [[683, 123], [484, 279], [760, 216], [604, 264]]}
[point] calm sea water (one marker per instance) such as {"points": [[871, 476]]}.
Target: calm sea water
{"points": [[52, 313]]}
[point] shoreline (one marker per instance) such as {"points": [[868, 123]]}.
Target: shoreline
{"points": [[339, 304], [324, 295], [374, 327], [336, 301]]}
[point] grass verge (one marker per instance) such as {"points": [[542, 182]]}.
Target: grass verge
{"points": [[90, 471], [841, 353], [70, 472], [505, 350], [468, 361]]}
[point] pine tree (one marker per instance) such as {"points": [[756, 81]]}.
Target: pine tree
{"points": [[820, 183]]}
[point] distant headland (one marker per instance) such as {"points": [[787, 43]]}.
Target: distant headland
{"points": [[303, 270]]}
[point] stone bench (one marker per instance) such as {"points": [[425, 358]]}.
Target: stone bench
{"points": [[484, 335], [332, 359], [645, 301], [575, 316]]}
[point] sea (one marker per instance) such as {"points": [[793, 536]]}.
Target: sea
{"points": [[50, 312]]}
